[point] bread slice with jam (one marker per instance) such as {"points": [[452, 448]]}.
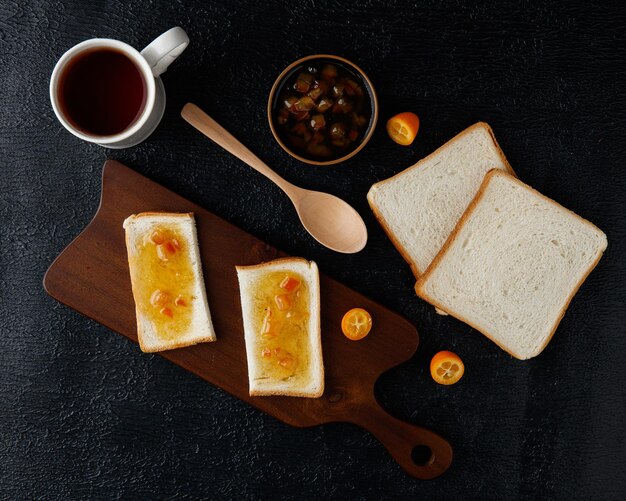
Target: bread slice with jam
{"points": [[166, 277], [280, 303]]}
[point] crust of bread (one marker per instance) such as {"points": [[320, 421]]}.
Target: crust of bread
{"points": [[141, 215], [320, 369], [381, 220], [287, 393], [464, 218], [173, 346], [391, 235], [269, 264], [166, 345]]}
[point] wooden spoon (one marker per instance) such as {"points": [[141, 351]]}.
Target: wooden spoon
{"points": [[328, 219]]}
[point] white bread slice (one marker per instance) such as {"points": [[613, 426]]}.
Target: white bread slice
{"points": [[512, 265], [419, 207], [158, 337], [308, 379]]}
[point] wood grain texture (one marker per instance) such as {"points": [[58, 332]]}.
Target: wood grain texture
{"points": [[91, 276], [86, 415]]}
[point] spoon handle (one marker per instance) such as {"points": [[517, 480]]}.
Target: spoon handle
{"points": [[214, 131]]}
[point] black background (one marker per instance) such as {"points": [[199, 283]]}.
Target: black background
{"points": [[84, 414]]}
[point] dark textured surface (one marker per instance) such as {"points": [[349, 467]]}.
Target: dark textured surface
{"points": [[85, 415]]}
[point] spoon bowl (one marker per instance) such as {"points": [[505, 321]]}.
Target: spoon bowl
{"points": [[331, 221], [328, 219]]}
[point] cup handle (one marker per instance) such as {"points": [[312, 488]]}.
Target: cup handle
{"points": [[165, 49]]}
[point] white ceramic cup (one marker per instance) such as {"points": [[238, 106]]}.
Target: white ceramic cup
{"points": [[151, 62]]}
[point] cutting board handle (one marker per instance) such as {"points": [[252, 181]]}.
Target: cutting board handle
{"points": [[433, 453]]}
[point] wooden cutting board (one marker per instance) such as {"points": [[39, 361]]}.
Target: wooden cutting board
{"points": [[91, 276]]}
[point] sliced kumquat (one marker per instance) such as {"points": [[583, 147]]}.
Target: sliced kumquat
{"points": [[287, 361], [157, 237], [446, 368], [356, 324], [283, 301], [290, 284], [167, 312], [166, 250], [159, 298], [403, 127]]}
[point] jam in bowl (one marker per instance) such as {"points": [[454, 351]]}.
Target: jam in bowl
{"points": [[322, 109]]}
